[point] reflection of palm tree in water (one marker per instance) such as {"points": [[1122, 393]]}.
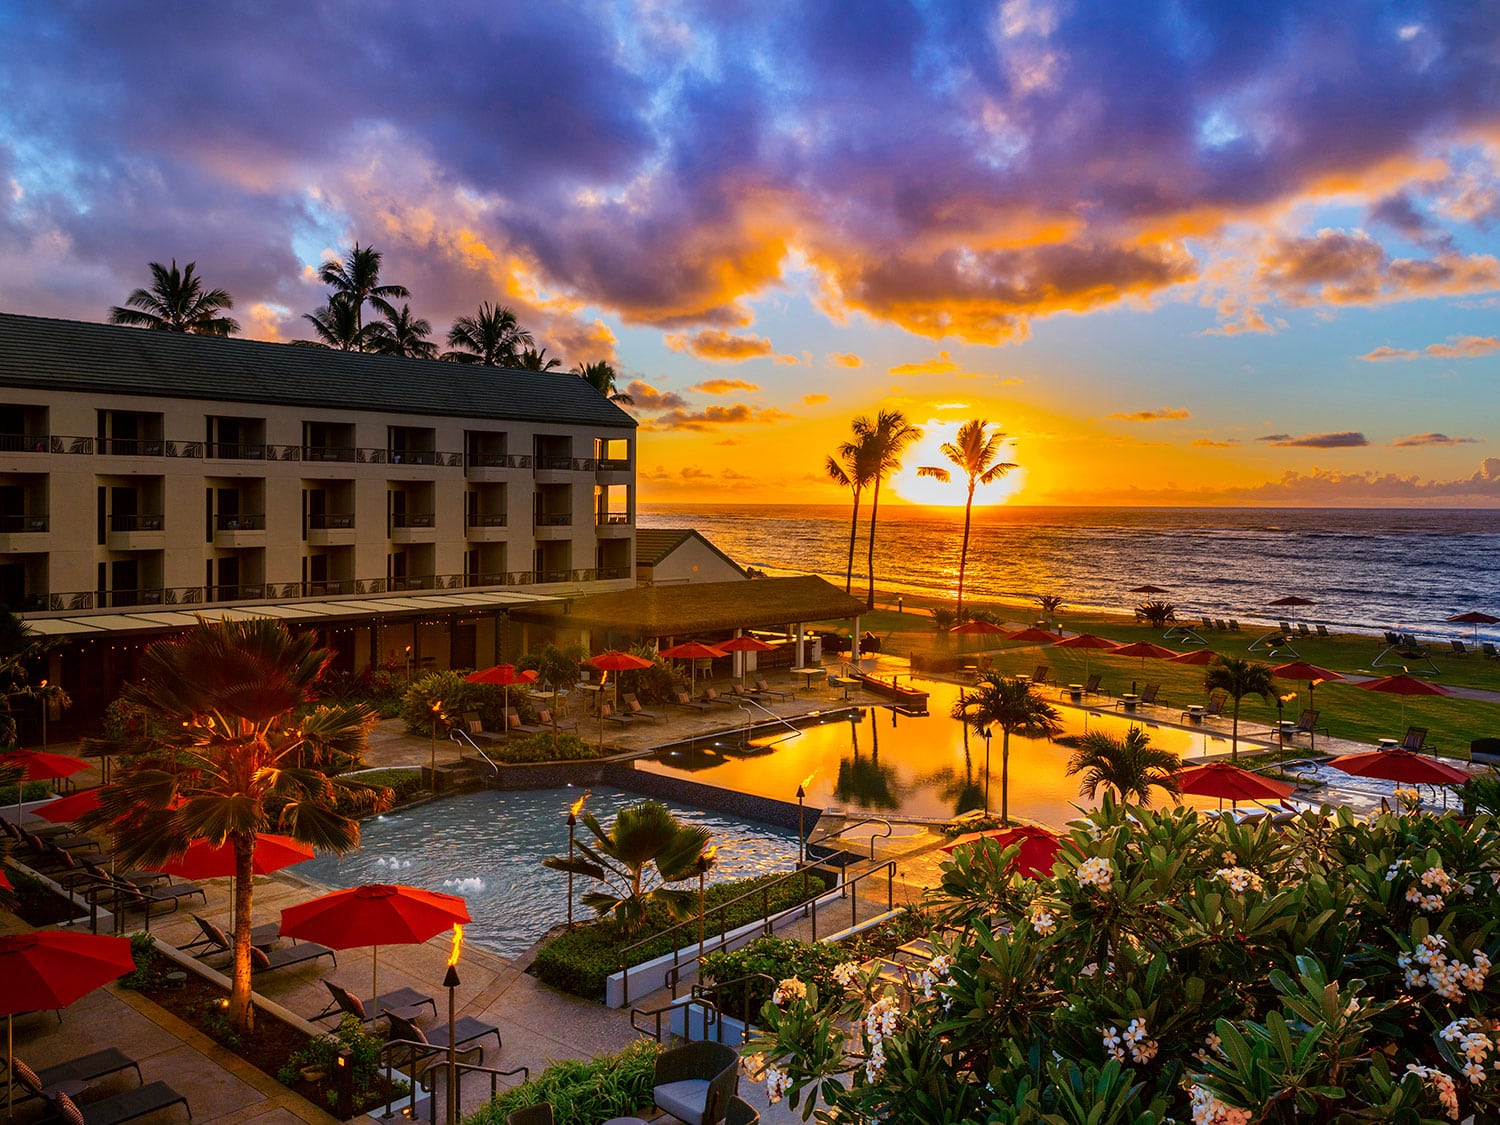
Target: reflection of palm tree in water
{"points": [[964, 792], [863, 780]]}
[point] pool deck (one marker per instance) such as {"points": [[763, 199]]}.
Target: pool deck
{"points": [[538, 1024]]}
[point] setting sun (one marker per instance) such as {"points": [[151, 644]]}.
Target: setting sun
{"points": [[927, 491]]}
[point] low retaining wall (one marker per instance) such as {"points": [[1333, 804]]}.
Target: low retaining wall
{"points": [[783, 814]]}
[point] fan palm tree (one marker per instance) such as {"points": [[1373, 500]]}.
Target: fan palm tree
{"points": [[337, 326], [642, 838], [603, 377], [402, 334], [176, 302], [973, 450], [1238, 678], [533, 360], [493, 338], [890, 434], [1130, 766], [850, 466], [236, 746], [357, 280], [1016, 708]]}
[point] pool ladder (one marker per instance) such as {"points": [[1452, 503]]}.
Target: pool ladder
{"points": [[463, 739], [745, 705]]}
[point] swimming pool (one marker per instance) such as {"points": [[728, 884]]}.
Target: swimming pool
{"points": [[879, 760], [488, 847]]}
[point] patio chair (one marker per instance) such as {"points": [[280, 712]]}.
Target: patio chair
{"points": [[1489, 650], [1303, 630], [1213, 710], [84, 1070], [683, 699], [405, 1002], [213, 939], [1458, 647], [1091, 685], [1151, 693], [740, 1112], [544, 719], [120, 1107], [513, 722], [262, 961], [1323, 630], [1307, 724], [691, 1082], [474, 728], [766, 689], [636, 711], [607, 714], [1415, 740], [129, 896], [712, 697], [467, 1031], [539, 1114], [1039, 677]]}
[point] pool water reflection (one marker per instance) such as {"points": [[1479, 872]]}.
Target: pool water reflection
{"points": [[878, 760], [488, 847]]}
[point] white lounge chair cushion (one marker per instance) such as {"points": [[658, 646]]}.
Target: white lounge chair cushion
{"points": [[685, 1100]]}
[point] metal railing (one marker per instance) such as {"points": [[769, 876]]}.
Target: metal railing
{"points": [[613, 464], [845, 827], [608, 572], [710, 1017], [23, 443], [701, 991], [553, 519], [422, 1061], [500, 461], [236, 450], [464, 738], [490, 520], [223, 522], [431, 457], [135, 523], [611, 518], [329, 521], [413, 519], [24, 523]]}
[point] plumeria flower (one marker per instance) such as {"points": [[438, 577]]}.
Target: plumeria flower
{"points": [[788, 991], [883, 1019], [1209, 1110], [1240, 879], [1096, 872], [776, 1084], [1447, 1089], [846, 974], [1111, 1039], [1042, 920]]}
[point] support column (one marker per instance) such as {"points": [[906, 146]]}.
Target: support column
{"points": [[854, 643], [800, 637]]}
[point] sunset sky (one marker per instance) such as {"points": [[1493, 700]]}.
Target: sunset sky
{"points": [[1184, 253]]}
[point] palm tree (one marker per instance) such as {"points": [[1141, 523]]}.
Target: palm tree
{"points": [[603, 377], [357, 280], [973, 450], [493, 338], [402, 334], [337, 325], [1238, 678], [850, 467], [533, 360], [236, 747], [1130, 766], [1015, 707], [176, 302], [889, 437], [642, 837]]}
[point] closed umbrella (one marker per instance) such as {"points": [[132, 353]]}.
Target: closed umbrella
{"points": [[375, 914], [51, 969], [1403, 684], [1086, 642], [502, 675], [1039, 847], [692, 651], [1400, 766], [1147, 589]]}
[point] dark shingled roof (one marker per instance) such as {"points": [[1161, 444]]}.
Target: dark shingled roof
{"points": [[694, 607], [98, 358], [654, 544]]}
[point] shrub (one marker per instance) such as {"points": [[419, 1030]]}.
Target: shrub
{"points": [[1481, 793], [322, 1053], [811, 962], [31, 791], [143, 950], [1156, 614], [617, 1085], [943, 618], [459, 698], [404, 784], [581, 959], [542, 748]]}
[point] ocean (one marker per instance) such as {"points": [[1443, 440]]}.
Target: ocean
{"points": [[1364, 570]]}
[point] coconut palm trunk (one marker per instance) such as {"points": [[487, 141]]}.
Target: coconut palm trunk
{"points": [[963, 551], [853, 535], [241, 1003]]}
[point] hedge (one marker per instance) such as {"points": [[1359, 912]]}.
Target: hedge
{"points": [[581, 960], [616, 1085], [540, 748]]}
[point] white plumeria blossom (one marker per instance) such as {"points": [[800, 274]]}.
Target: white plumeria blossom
{"points": [[1096, 872], [787, 991], [1209, 1110], [846, 974], [883, 1019], [776, 1084], [1447, 1089], [1240, 879]]}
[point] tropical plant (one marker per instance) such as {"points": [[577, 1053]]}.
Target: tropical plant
{"points": [[851, 466], [974, 451], [943, 618], [603, 377], [1015, 707], [1238, 678], [1050, 604], [231, 731], [1129, 765], [402, 334], [356, 280], [645, 849], [1156, 613], [20, 648], [532, 359], [492, 338], [176, 302], [337, 326], [889, 436]]}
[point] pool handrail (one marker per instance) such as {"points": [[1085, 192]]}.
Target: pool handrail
{"points": [[420, 1069], [745, 704], [461, 737], [889, 831], [711, 1016]]}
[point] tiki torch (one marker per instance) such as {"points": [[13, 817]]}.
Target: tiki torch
{"points": [[573, 810], [437, 714], [450, 982]]}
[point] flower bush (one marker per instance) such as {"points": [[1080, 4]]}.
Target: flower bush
{"points": [[1178, 969]]}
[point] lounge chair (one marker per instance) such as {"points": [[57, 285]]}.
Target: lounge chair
{"points": [[1307, 724], [683, 699], [1039, 677], [1151, 693], [607, 714], [634, 709], [1303, 630], [1458, 647], [262, 961], [128, 896], [544, 719], [84, 1070], [213, 939], [120, 1107], [1323, 631], [1286, 627], [1391, 638], [1221, 625], [1234, 626], [1415, 740], [539, 1114], [693, 1080], [1214, 710], [1208, 624], [405, 1002], [766, 689], [513, 722], [474, 728], [467, 1031], [1489, 650], [711, 697], [1091, 685]]}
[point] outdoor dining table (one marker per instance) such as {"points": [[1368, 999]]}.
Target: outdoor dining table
{"points": [[1388, 743], [810, 673], [1075, 690], [1129, 701], [1195, 714]]}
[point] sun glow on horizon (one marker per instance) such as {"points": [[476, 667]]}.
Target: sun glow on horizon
{"points": [[932, 493]]}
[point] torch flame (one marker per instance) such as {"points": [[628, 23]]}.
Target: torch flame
{"points": [[708, 856], [458, 945], [806, 781], [577, 806]]}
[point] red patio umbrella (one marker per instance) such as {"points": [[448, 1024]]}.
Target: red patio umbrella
{"points": [[51, 969], [1302, 670], [616, 661], [1086, 641], [71, 807], [1148, 589], [503, 675], [1146, 651], [1035, 635], [1400, 766], [745, 644], [1039, 847], [1227, 782], [1195, 656], [204, 860], [1475, 618], [5, 882], [38, 765], [1403, 684], [977, 627], [375, 914], [1291, 600], [693, 651]]}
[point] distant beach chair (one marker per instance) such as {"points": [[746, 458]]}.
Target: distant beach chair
{"points": [[683, 699], [1151, 693], [1220, 626], [1303, 630], [1415, 740], [1489, 650], [264, 962], [1234, 626], [1286, 627], [1323, 631], [1458, 647], [1207, 623]]}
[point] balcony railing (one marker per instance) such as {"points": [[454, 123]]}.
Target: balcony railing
{"points": [[135, 523], [604, 573], [614, 464], [568, 464], [329, 521], [237, 451], [500, 461], [602, 518], [23, 443], [224, 522], [437, 457], [23, 523], [553, 519], [132, 447], [487, 520], [413, 519]]}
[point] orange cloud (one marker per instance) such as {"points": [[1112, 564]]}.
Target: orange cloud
{"points": [[719, 346], [814, 400], [1351, 268], [646, 397], [724, 386], [942, 365], [1458, 347], [711, 417], [1210, 443], [787, 360], [845, 359], [1166, 414]]}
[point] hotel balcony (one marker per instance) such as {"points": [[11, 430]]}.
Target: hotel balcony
{"points": [[413, 527], [487, 528], [552, 525], [560, 470], [330, 530], [239, 530], [499, 468], [135, 533], [613, 525], [25, 533], [613, 471]]}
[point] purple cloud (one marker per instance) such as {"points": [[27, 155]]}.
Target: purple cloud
{"points": [[1345, 439]]}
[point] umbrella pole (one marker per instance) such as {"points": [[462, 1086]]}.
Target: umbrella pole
{"points": [[374, 973], [10, 1064]]}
